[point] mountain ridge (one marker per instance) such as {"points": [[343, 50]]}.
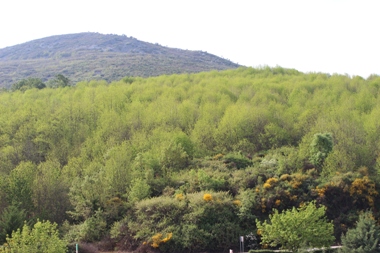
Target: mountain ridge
{"points": [[85, 56]]}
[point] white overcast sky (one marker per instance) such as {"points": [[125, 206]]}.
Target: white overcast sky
{"points": [[330, 36]]}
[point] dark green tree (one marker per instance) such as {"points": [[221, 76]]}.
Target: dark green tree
{"points": [[11, 219], [59, 81], [320, 147], [28, 83], [364, 238]]}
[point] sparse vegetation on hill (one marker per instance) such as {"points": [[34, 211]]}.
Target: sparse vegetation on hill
{"points": [[189, 162], [89, 56]]}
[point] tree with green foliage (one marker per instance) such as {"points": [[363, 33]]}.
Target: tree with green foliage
{"points": [[92, 229], [19, 188], [42, 238], [295, 228], [364, 238], [139, 190], [11, 219], [50, 193], [59, 81], [28, 83], [320, 147]]}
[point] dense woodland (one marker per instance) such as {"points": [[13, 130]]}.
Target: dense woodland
{"points": [[188, 163]]}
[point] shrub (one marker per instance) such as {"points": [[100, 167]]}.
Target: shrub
{"points": [[207, 182], [237, 160], [92, 229], [365, 188], [174, 225]]}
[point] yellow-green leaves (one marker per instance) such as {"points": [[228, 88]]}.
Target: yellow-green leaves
{"points": [[43, 237], [306, 225]]}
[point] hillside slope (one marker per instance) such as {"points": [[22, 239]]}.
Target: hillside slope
{"points": [[85, 56], [161, 162]]}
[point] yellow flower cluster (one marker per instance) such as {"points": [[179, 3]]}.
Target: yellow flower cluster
{"points": [[263, 205], [218, 157], [270, 182], [362, 184], [366, 187], [321, 191], [113, 200], [167, 238], [236, 202], [285, 177], [207, 197], [179, 196], [156, 239], [297, 180]]}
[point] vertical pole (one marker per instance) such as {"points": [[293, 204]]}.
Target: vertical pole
{"points": [[241, 244], [76, 248]]}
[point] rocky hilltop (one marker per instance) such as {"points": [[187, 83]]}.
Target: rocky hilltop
{"points": [[86, 56]]}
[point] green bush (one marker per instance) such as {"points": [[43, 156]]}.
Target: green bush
{"points": [[213, 182], [92, 229], [197, 221], [237, 160]]}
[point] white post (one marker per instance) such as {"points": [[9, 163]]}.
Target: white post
{"points": [[241, 243]]}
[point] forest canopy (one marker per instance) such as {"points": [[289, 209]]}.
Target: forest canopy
{"points": [[136, 157]]}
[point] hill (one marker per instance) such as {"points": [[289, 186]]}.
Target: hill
{"points": [[85, 56], [156, 164]]}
